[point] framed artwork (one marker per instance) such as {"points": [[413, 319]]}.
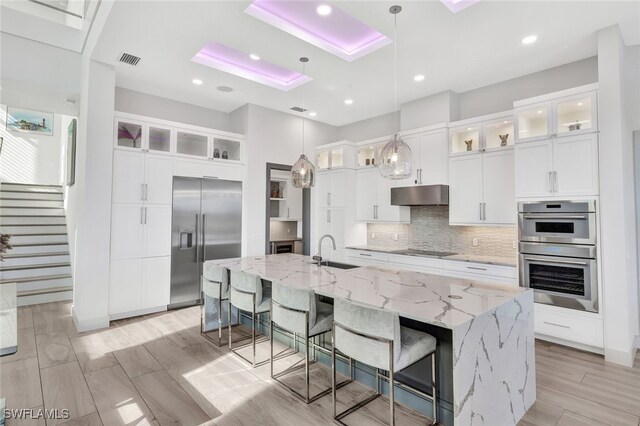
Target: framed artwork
{"points": [[24, 120], [71, 152]]}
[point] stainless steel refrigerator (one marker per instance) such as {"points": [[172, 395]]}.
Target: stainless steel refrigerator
{"points": [[206, 224]]}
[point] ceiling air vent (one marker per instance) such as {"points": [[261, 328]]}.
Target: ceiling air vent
{"points": [[129, 59], [298, 109]]}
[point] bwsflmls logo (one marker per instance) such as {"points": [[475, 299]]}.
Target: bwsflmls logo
{"points": [[32, 413]]}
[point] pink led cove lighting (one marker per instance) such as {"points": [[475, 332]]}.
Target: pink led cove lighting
{"points": [[228, 59], [337, 32], [457, 5]]}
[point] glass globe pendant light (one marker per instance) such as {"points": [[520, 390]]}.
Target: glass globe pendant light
{"points": [[303, 172], [396, 158]]}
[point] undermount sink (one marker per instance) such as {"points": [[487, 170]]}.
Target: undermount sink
{"points": [[337, 265]]}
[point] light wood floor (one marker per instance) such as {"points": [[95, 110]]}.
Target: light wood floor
{"points": [[158, 370]]}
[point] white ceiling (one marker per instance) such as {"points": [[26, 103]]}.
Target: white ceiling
{"points": [[473, 48]]}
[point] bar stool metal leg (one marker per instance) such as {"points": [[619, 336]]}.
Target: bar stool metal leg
{"points": [[434, 391], [392, 400]]}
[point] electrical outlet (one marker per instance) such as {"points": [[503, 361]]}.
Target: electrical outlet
{"points": [[395, 237], [373, 235], [474, 241]]}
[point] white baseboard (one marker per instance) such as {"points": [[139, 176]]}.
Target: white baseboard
{"points": [[624, 358], [89, 323], [582, 347], [37, 299], [137, 312]]}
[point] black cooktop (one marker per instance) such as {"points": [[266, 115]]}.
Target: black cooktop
{"points": [[425, 253]]}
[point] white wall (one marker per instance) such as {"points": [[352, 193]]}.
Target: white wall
{"points": [[500, 96], [450, 106], [31, 157], [168, 109], [439, 108], [368, 129], [617, 196], [271, 137]]}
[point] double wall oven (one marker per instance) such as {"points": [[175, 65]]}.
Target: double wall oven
{"points": [[557, 252]]}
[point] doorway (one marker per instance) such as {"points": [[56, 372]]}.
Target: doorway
{"points": [[287, 213]]}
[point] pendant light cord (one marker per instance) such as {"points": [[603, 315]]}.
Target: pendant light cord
{"points": [[395, 70], [304, 106]]}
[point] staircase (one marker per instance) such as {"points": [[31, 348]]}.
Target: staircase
{"points": [[39, 262]]}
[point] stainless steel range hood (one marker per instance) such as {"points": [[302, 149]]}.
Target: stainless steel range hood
{"points": [[420, 195]]}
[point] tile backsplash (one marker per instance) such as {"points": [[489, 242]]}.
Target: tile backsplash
{"points": [[280, 230], [429, 230]]}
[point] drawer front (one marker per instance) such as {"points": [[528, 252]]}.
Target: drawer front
{"points": [[481, 268], [579, 329], [368, 255], [416, 268], [426, 262], [362, 261], [482, 278]]}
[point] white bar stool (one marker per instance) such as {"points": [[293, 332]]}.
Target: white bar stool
{"points": [[374, 337], [248, 294]]}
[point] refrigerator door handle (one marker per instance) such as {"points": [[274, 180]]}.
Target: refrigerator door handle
{"points": [[197, 242], [204, 239]]}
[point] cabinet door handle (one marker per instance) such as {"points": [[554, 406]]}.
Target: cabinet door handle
{"points": [[328, 198], [145, 215], [484, 211], [146, 192], [287, 211], [550, 182], [328, 216], [555, 324], [420, 176], [480, 208], [141, 215], [364, 254], [555, 181]]}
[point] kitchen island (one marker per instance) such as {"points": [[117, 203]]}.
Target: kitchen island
{"points": [[485, 333]]}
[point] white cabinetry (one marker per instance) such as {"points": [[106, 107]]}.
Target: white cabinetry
{"points": [[431, 154], [568, 326], [148, 154], [373, 198], [481, 189], [557, 145], [557, 167]]}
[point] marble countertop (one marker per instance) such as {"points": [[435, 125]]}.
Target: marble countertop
{"points": [[442, 301], [490, 260]]}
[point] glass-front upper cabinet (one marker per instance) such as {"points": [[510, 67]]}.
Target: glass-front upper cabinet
{"points": [[159, 139], [225, 149], [533, 122], [558, 116], [129, 134], [465, 139], [190, 143], [330, 158], [575, 114], [498, 134]]}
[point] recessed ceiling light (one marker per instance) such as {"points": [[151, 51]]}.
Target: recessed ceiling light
{"points": [[225, 89], [348, 101], [505, 121], [418, 77], [468, 128], [530, 39], [579, 103], [539, 111], [254, 57], [323, 10], [196, 81], [312, 114]]}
